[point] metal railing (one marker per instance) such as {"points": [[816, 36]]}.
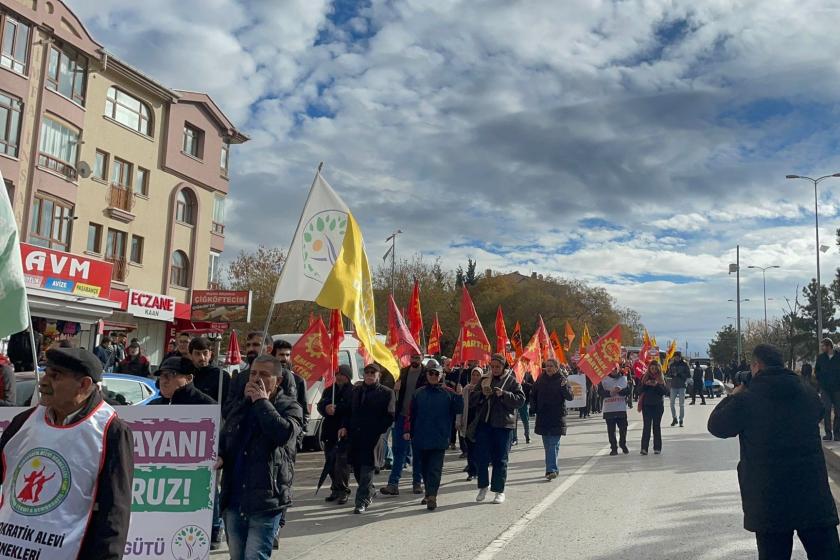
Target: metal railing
{"points": [[218, 229], [53, 164]]}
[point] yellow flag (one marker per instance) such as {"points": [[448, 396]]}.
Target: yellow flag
{"points": [[670, 354], [585, 340]]}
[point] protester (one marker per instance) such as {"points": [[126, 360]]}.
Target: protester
{"points": [[827, 372], [175, 377], [468, 416], [257, 451], [709, 382], [183, 346], [807, 371], [135, 363], [548, 399], [282, 349], [452, 378], [371, 415], [650, 403], [411, 378], [105, 353], [20, 350], [677, 374], [119, 346], [523, 412], [92, 443], [335, 407], [782, 471], [614, 389], [8, 393], [698, 384], [207, 377], [255, 344], [499, 396]]}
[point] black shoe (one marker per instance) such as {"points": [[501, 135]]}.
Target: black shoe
{"points": [[376, 470], [387, 466], [331, 498], [624, 449], [527, 439], [674, 423], [216, 539], [827, 437], [692, 402], [644, 452], [431, 503], [681, 424], [703, 403], [343, 499], [275, 543], [614, 452], [417, 489]]}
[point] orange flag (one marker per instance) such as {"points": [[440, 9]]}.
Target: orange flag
{"points": [[474, 343], [558, 348], [502, 341], [603, 357], [311, 354], [516, 339], [434, 338], [336, 337], [570, 336], [399, 341], [415, 316], [546, 349], [529, 360]]}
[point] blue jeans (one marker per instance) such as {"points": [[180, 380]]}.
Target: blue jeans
{"points": [[551, 444], [250, 537], [681, 394], [522, 414], [401, 448], [492, 445]]}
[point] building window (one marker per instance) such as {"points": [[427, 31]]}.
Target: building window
{"points": [[141, 181], [185, 207], [225, 157], [214, 270], [58, 147], [179, 271], [128, 110], [51, 222], [94, 242], [67, 73], [15, 45], [115, 253], [219, 215], [193, 141], [121, 173], [100, 165], [136, 249], [10, 110]]}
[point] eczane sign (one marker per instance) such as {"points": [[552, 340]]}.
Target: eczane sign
{"points": [[151, 306]]}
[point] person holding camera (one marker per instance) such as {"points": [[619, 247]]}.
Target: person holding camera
{"points": [[782, 471], [548, 399]]}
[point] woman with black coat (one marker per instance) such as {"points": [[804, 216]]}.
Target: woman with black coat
{"points": [[548, 399], [650, 403]]}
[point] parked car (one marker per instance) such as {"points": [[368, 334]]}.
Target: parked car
{"points": [[718, 388], [135, 391]]}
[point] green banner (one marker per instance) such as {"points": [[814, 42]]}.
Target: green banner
{"points": [[167, 489]]}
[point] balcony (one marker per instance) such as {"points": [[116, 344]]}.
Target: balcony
{"points": [[120, 202], [218, 229], [119, 272], [65, 169]]}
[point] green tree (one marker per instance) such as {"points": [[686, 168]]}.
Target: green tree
{"points": [[723, 348], [808, 311]]}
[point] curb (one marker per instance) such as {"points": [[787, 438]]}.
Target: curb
{"points": [[831, 450]]}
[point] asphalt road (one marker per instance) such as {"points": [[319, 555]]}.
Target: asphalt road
{"points": [[681, 504]]}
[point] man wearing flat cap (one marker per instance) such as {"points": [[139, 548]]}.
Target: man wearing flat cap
{"points": [[176, 376], [67, 465]]}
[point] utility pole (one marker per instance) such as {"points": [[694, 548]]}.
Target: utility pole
{"points": [[736, 268], [392, 251]]}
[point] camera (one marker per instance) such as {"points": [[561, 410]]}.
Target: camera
{"points": [[743, 378]]}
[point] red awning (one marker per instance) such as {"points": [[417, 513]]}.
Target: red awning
{"points": [[199, 327]]}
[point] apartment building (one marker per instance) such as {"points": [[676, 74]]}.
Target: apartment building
{"points": [[106, 166]]}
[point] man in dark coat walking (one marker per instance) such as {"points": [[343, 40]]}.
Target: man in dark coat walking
{"points": [[782, 472], [548, 399], [827, 371], [698, 384], [677, 374], [371, 415], [335, 407]]}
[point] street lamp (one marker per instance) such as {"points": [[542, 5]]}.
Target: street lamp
{"points": [[764, 270], [816, 182]]}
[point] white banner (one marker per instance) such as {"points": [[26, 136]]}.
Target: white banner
{"points": [[172, 495], [577, 384]]}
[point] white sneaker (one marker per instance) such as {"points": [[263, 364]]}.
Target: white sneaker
{"points": [[482, 493], [500, 498]]}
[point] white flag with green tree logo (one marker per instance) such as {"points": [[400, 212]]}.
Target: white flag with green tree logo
{"points": [[13, 307]]}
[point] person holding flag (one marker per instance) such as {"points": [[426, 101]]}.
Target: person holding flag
{"points": [[335, 406]]}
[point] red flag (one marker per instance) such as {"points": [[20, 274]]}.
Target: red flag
{"points": [[529, 360], [336, 336], [603, 356], [400, 341], [516, 339], [502, 340], [570, 336], [234, 356], [434, 338], [311, 354], [546, 349], [474, 343], [415, 316], [456, 353], [558, 348]]}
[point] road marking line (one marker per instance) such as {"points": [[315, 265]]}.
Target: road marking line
{"points": [[500, 542]]}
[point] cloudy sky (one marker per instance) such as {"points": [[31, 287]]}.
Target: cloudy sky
{"points": [[631, 144]]}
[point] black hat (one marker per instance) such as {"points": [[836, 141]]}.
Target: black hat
{"points": [[76, 360], [374, 366], [498, 358], [346, 371], [178, 364]]}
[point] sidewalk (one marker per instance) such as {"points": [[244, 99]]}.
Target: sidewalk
{"points": [[832, 454]]}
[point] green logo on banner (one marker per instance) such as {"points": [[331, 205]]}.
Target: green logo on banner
{"points": [[169, 489]]}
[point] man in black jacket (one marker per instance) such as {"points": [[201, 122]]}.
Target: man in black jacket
{"points": [[71, 403], [176, 383], [207, 377], [782, 472], [282, 349], [411, 378], [257, 450], [372, 413], [255, 344], [827, 371], [697, 384], [335, 407], [677, 375]]}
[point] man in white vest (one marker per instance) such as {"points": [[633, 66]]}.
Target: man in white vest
{"points": [[67, 466], [614, 390]]}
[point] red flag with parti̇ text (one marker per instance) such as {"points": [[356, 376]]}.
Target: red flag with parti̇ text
{"points": [[399, 341], [311, 353], [474, 343], [603, 356]]}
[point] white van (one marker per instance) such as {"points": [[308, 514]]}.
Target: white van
{"points": [[348, 354]]}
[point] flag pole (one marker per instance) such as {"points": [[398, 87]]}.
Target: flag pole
{"points": [[282, 270], [34, 356]]}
